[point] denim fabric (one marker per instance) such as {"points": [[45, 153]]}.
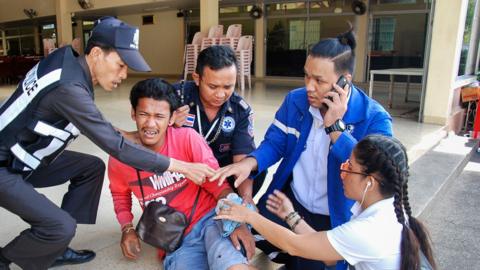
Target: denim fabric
{"points": [[204, 248]]}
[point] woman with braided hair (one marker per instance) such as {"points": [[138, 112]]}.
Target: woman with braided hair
{"points": [[382, 233]]}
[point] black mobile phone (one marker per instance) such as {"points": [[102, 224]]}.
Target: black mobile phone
{"points": [[342, 81]]}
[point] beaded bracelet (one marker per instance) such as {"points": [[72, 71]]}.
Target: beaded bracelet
{"points": [[127, 228], [291, 215], [296, 223]]}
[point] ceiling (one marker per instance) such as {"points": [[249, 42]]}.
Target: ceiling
{"points": [[154, 6], [140, 8]]}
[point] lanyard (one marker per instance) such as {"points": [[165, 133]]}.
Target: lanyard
{"points": [[200, 125], [211, 128]]}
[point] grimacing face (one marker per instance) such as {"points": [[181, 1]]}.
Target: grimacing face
{"points": [[152, 119], [216, 86], [319, 79], [108, 69]]}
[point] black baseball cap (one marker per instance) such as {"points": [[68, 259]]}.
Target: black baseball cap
{"points": [[124, 38]]}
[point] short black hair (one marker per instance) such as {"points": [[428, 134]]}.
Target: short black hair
{"points": [[105, 48], [215, 57], [341, 50], [155, 88]]}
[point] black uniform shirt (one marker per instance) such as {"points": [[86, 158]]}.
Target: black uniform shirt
{"points": [[232, 133], [74, 101]]}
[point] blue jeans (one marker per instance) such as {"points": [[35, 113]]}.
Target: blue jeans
{"points": [[204, 248]]}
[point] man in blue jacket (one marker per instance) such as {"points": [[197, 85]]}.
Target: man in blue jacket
{"points": [[313, 132]]}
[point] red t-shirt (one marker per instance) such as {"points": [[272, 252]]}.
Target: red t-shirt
{"points": [[172, 188]]}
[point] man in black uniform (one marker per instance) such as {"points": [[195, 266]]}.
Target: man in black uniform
{"points": [[50, 108], [220, 115]]}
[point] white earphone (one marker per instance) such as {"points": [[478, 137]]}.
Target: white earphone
{"points": [[369, 183]]}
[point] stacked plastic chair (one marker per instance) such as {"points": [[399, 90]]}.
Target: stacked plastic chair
{"points": [[244, 59], [234, 32], [213, 38], [191, 53], [48, 46]]}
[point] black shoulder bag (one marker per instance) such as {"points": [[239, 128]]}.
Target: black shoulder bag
{"points": [[161, 225]]}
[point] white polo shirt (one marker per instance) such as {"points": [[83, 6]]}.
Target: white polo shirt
{"points": [[309, 183], [371, 239]]}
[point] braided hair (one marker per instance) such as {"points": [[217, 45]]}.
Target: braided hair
{"points": [[340, 50], [386, 158]]}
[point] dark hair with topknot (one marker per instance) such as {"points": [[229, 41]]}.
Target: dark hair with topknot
{"points": [[386, 159], [215, 57], [154, 88], [341, 50]]}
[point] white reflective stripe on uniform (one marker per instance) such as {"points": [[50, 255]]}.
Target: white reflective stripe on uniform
{"points": [[26, 97], [285, 129], [53, 146], [45, 129], [25, 157], [72, 129]]}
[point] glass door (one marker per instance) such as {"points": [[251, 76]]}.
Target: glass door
{"points": [[292, 29], [286, 44]]}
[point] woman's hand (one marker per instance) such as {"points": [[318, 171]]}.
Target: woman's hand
{"points": [[279, 204], [235, 212]]}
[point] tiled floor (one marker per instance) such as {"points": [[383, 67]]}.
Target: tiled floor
{"points": [[265, 98]]}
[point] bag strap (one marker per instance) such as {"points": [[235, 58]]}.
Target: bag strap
{"points": [[194, 204], [140, 184]]}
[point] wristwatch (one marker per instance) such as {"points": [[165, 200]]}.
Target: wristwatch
{"points": [[339, 125]]}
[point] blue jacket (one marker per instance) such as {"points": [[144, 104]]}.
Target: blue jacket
{"points": [[287, 135]]}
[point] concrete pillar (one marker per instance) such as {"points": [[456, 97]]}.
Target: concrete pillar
{"points": [[4, 43], [64, 22], [260, 36], [447, 38], [78, 33], [208, 14], [36, 39], [361, 52]]}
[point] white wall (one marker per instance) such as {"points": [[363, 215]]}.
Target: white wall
{"points": [[161, 43]]}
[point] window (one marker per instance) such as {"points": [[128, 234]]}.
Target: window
{"points": [[229, 10], [469, 48], [397, 1], [297, 29], [382, 33]]}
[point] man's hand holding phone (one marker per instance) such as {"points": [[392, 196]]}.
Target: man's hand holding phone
{"points": [[336, 101]]}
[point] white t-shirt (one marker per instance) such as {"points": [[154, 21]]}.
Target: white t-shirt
{"points": [[371, 239]]}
